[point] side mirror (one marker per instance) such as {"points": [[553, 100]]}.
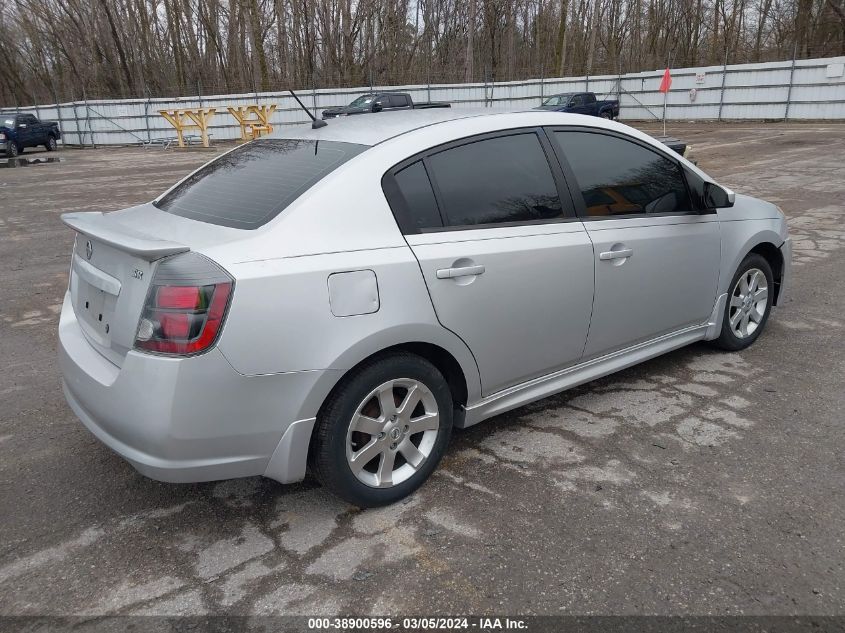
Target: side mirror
{"points": [[716, 197], [377, 107]]}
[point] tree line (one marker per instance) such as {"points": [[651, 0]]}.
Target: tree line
{"points": [[57, 50]]}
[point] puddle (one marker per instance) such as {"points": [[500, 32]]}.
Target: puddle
{"points": [[23, 161]]}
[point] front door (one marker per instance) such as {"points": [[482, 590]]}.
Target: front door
{"points": [[656, 258], [507, 266], [577, 104], [24, 131], [653, 276]]}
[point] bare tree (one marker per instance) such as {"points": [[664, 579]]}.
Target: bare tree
{"points": [[64, 49]]}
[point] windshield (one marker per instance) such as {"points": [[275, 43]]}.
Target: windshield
{"points": [[362, 101], [557, 100], [7, 122], [252, 184]]}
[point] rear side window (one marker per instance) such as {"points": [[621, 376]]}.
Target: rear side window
{"points": [[496, 180], [252, 184], [398, 101], [619, 177], [416, 190]]}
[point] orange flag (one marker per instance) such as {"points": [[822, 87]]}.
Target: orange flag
{"points": [[667, 81]]}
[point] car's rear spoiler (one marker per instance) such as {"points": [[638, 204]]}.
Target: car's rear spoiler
{"points": [[103, 228]]}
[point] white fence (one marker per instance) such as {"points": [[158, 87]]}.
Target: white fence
{"points": [[800, 90]]}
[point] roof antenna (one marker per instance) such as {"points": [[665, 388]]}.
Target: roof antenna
{"points": [[315, 122]]}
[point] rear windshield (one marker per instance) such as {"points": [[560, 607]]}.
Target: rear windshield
{"points": [[251, 185]]}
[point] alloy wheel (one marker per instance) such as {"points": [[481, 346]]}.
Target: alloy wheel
{"points": [[392, 433], [749, 302]]}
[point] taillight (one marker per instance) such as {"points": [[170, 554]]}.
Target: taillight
{"points": [[186, 305]]}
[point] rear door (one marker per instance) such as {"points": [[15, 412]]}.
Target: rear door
{"points": [[399, 101], [37, 131], [508, 266], [656, 257]]}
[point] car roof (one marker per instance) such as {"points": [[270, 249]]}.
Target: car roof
{"points": [[372, 129]]}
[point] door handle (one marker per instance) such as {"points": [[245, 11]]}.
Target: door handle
{"points": [[620, 254], [463, 271]]}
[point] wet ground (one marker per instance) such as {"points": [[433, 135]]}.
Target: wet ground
{"points": [[697, 483]]}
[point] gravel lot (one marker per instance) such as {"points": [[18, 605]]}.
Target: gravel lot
{"points": [[697, 483]]}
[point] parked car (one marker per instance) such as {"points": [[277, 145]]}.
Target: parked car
{"points": [[19, 131], [381, 102], [385, 279], [582, 103]]}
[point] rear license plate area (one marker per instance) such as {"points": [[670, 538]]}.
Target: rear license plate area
{"points": [[95, 308]]}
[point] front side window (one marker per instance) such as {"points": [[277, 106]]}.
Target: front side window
{"points": [[557, 100], [252, 184], [361, 101], [619, 177], [577, 100], [398, 101], [496, 180]]}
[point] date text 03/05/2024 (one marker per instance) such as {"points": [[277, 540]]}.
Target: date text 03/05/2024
{"points": [[418, 623]]}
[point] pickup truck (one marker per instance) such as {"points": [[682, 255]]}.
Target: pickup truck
{"points": [[582, 103], [18, 131], [381, 102]]}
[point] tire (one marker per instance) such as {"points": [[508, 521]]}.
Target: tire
{"points": [[747, 315], [12, 149], [606, 115], [353, 423], [51, 144]]}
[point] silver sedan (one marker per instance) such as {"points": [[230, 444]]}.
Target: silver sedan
{"points": [[339, 299]]}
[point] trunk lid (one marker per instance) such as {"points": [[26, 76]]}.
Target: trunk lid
{"points": [[113, 264]]}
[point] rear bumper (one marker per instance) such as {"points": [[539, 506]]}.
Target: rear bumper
{"points": [[187, 419]]}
